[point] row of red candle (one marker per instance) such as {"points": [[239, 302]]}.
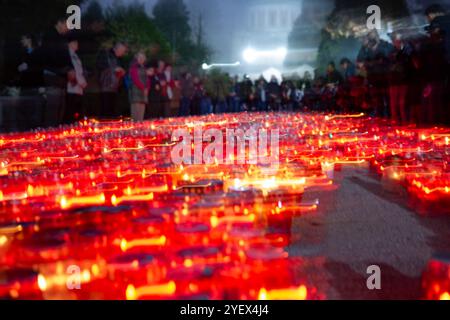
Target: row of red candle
{"points": [[96, 192]]}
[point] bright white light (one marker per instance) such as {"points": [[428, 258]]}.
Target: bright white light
{"points": [[251, 55], [281, 53], [206, 66]]}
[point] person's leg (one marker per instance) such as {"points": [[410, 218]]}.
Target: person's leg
{"points": [[393, 98], [134, 112], [427, 108], [114, 99], [434, 104], [109, 105], [185, 106], [62, 104], [203, 106], [80, 107], [166, 107], [141, 111], [224, 106], [70, 109], [137, 111], [403, 91], [103, 104]]}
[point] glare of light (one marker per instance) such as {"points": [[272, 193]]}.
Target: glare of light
{"points": [[300, 293], [42, 283], [250, 55], [445, 296], [281, 53], [278, 55], [206, 66], [3, 240]]}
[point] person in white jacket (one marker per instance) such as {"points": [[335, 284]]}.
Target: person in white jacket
{"points": [[76, 84]]}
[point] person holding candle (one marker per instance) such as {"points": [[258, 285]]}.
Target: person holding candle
{"points": [[140, 85]]}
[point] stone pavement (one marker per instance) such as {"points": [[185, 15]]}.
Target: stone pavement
{"points": [[359, 224]]}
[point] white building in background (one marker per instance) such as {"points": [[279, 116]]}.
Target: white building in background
{"points": [[261, 40]]}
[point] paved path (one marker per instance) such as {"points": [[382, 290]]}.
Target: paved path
{"points": [[360, 224]]}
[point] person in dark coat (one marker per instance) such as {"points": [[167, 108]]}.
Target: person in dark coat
{"points": [[30, 75], [154, 110], [56, 67], [110, 73], [274, 93], [247, 94], [438, 63], [187, 93], [261, 95], [55, 56], [333, 76], [373, 57], [348, 71], [400, 69]]}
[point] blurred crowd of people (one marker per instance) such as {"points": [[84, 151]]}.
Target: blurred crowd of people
{"points": [[404, 79]]}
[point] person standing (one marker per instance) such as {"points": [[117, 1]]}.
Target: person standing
{"points": [[110, 74], [76, 84], [373, 58], [154, 110], [399, 73], [219, 81], [54, 55], [30, 77], [140, 85], [261, 95], [436, 64], [274, 94], [164, 102], [187, 93], [170, 91], [176, 99], [348, 69], [234, 94], [55, 65], [247, 94]]}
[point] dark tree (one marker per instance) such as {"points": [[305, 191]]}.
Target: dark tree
{"points": [[132, 24], [93, 13], [19, 17], [172, 18]]}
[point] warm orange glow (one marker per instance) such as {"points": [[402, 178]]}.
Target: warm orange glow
{"points": [[166, 289], [299, 293]]}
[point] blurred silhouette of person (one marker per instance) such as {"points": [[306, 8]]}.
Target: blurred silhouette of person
{"points": [[110, 74], [274, 94], [434, 67], [56, 66], [373, 56], [76, 84], [30, 75], [140, 85], [398, 77], [261, 95], [438, 89], [187, 93]]}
